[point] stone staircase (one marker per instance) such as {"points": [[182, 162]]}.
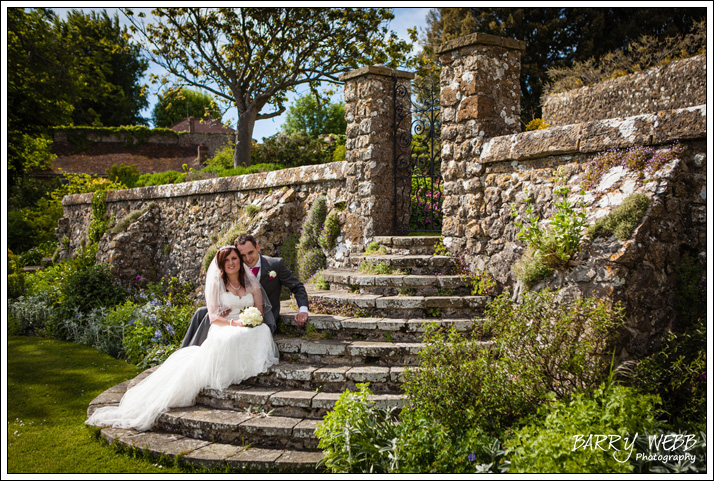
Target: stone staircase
{"points": [[372, 334]]}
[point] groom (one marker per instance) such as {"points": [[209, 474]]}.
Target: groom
{"points": [[273, 274]]}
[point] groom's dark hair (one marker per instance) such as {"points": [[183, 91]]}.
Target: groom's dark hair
{"points": [[243, 238]]}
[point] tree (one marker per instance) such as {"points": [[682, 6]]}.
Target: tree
{"points": [[106, 67], [83, 70], [556, 37], [175, 105], [314, 117], [251, 57]]}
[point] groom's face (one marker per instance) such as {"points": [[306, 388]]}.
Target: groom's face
{"points": [[249, 253]]}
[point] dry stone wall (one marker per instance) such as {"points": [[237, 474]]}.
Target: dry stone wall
{"points": [[172, 236], [676, 85]]}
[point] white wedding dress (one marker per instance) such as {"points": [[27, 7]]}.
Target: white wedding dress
{"points": [[228, 356]]}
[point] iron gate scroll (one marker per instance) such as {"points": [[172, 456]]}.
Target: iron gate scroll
{"points": [[418, 185]]}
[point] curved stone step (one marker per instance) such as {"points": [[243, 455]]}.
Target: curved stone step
{"points": [[404, 307], [241, 428], [392, 284], [279, 401], [345, 351], [215, 455], [368, 328], [331, 378]]}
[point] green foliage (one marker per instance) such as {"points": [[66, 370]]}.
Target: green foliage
{"points": [[124, 223], [356, 437], [27, 153], [310, 257], [175, 105], [560, 346], [426, 197], [251, 210], [641, 54], [321, 283], [677, 374], [123, 174], [330, 231], [100, 223], [623, 220], [377, 268], [530, 268], [553, 246], [558, 37], [340, 153], [546, 444], [296, 149], [314, 116], [90, 288], [257, 68], [537, 124], [374, 248]]}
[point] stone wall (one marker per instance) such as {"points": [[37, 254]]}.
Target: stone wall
{"points": [[489, 168], [182, 220], [679, 84], [640, 271]]}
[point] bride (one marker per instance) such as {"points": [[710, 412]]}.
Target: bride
{"points": [[230, 354]]}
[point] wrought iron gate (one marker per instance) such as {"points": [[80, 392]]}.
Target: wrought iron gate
{"points": [[418, 185]]}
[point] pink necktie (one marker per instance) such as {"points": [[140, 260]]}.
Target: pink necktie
{"points": [[255, 270]]}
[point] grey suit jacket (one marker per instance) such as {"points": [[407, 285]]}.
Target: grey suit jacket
{"points": [[201, 323]]}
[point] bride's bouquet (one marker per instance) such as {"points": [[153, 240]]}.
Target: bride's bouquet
{"points": [[251, 317]]}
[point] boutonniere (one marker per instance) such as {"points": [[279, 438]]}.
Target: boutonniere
{"points": [[272, 275]]}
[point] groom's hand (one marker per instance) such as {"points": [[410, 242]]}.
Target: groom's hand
{"points": [[301, 318]]}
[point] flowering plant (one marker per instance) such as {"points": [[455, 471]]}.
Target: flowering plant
{"points": [[272, 275], [251, 317]]}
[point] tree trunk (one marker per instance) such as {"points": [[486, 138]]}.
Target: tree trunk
{"points": [[244, 138]]}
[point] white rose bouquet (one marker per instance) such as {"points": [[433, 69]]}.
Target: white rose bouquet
{"points": [[251, 317]]}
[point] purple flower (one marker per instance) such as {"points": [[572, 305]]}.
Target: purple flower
{"points": [[170, 330], [138, 277], [472, 457], [703, 377]]}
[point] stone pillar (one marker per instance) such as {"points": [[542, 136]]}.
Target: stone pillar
{"points": [[480, 99], [369, 111]]}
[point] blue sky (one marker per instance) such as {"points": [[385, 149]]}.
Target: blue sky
{"points": [[405, 18]]}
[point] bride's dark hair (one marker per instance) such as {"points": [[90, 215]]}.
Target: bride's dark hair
{"points": [[221, 257]]}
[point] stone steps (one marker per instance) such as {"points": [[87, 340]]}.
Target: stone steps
{"points": [[344, 351], [369, 328], [342, 280], [331, 377], [283, 401], [407, 264], [407, 245], [245, 428], [359, 331], [216, 455], [401, 307]]}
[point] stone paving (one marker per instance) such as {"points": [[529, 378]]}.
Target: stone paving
{"points": [[267, 423]]}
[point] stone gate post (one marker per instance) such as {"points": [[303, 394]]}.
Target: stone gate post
{"points": [[369, 111], [480, 99]]}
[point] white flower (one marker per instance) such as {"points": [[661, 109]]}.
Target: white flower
{"points": [[251, 317], [272, 274]]}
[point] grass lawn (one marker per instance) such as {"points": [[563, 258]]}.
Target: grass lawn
{"points": [[49, 386]]}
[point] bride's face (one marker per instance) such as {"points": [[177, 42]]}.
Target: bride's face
{"points": [[232, 264]]}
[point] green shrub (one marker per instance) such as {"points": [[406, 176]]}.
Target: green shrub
{"points": [[677, 374], [310, 257], [623, 220], [295, 149], [555, 244], [29, 315], [356, 437], [16, 285], [548, 443], [330, 231], [89, 288], [130, 218], [530, 268], [124, 174], [560, 346], [373, 248]]}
